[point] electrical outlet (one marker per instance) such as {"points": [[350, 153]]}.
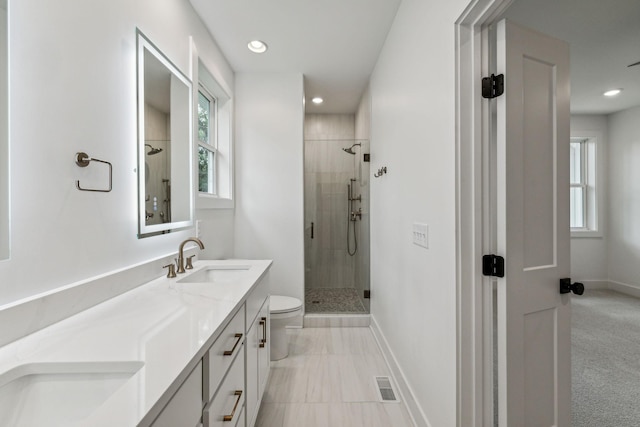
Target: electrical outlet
{"points": [[198, 229], [421, 235]]}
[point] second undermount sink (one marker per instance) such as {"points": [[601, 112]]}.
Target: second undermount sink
{"points": [[59, 393], [217, 274]]}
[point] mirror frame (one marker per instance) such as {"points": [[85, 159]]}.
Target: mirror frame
{"points": [[145, 230]]}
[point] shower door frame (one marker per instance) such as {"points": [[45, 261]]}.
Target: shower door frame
{"points": [[356, 276]]}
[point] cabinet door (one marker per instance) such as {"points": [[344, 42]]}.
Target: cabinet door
{"points": [[258, 361], [253, 339], [264, 337], [185, 407]]}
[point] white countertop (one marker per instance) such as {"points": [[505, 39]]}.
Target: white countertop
{"points": [[164, 324]]}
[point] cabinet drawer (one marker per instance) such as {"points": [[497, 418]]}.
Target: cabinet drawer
{"points": [[227, 406], [223, 351], [256, 298], [185, 407]]}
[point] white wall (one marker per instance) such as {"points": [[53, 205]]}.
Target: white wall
{"points": [[269, 175], [73, 80], [413, 290], [589, 254], [624, 197]]}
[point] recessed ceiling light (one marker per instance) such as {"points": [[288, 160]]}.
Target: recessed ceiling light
{"points": [[317, 100], [257, 46], [612, 92]]}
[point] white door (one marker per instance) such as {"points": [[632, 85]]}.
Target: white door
{"points": [[534, 335]]}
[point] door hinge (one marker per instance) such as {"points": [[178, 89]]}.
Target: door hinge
{"points": [[493, 265], [367, 293], [493, 86]]}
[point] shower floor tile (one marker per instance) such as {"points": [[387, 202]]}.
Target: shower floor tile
{"points": [[333, 300]]}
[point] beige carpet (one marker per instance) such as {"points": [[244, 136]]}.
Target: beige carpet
{"points": [[605, 360]]}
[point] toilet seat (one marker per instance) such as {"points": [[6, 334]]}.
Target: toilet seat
{"points": [[282, 307]]}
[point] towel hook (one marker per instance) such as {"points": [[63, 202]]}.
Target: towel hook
{"points": [[83, 160], [381, 172]]}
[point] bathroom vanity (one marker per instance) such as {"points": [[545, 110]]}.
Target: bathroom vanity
{"points": [[187, 351]]}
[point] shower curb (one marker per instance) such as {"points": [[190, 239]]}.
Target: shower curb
{"points": [[337, 320]]}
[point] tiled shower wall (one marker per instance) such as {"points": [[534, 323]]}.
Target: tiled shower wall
{"points": [[157, 129], [328, 170]]}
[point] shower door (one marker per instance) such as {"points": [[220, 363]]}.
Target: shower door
{"points": [[336, 226]]}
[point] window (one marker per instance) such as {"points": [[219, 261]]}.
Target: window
{"points": [[214, 143], [207, 142], [578, 181], [584, 197]]}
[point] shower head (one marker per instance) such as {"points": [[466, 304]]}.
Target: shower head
{"points": [[350, 149], [153, 150]]}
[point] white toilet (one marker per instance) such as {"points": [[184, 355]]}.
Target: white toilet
{"points": [[282, 309]]}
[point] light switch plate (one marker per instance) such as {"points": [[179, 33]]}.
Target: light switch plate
{"points": [[421, 234]]}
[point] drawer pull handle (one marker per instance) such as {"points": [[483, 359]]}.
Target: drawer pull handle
{"points": [[230, 352], [263, 322], [230, 416]]}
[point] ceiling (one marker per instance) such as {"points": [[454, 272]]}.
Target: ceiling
{"points": [[336, 43], [604, 38], [333, 43]]}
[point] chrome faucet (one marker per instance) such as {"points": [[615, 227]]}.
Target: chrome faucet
{"points": [[180, 260]]}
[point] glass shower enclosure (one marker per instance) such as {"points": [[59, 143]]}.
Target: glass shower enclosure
{"points": [[336, 226]]}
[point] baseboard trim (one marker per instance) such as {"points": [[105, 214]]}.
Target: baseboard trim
{"points": [[595, 284], [416, 413], [612, 285], [625, 288]]}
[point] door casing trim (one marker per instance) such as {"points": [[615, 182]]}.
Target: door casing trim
{"points": [[474, 361]]}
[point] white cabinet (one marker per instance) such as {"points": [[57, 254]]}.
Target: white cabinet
{"points": [[226, 387], [185, 406], [222, 353], [226, 407], [264, 361], [258, 362]]}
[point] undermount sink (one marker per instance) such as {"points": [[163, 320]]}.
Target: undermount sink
{"points": [[57, 394], [217, 274]]}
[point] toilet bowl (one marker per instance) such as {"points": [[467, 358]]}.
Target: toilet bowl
{"points": [[282, 310]]}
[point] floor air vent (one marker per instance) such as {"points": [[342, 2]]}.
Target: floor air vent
{"points": [[385, 388]]}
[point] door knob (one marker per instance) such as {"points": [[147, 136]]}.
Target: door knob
{"points": [[566, 286]]}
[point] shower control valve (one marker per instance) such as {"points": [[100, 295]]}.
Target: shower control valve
{"points": [[356, 215]]}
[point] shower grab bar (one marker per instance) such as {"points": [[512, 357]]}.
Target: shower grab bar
{"points": [[83, 160]]}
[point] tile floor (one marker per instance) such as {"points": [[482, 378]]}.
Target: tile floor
{"points": [[328, 380]]}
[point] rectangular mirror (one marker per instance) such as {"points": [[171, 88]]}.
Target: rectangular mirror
{"points": [[165, 190]]}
